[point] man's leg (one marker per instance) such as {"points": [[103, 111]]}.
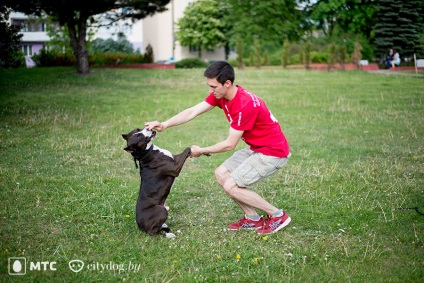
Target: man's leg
{"points": [[247, 199]]}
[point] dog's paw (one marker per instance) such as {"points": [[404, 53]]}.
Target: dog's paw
{"points": [[167, 207], [170, 235]]}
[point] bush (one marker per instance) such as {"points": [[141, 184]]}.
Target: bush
{"points": [[99, 59], [50, 58], [319, 57], [190, 63], [17, 59]]}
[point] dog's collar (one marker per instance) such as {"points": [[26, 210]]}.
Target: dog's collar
{"points": [[143, 157]]}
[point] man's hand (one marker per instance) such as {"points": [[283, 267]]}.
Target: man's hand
{"points": [[155, 125], [196, 151]]}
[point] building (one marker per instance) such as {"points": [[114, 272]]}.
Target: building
{"points": [[159, 32], [35, 34], [33, 31]]}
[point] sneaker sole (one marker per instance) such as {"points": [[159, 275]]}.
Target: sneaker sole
{"points": [[287, 222], [235, 229]]}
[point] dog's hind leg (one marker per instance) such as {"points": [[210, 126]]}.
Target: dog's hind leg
{"points": [[158, 215]]}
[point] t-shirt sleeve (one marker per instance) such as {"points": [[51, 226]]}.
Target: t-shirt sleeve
{"points": [[212, 100]]}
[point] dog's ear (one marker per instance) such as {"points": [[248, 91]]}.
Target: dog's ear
{"points": [[128, 149], [125, 136]]}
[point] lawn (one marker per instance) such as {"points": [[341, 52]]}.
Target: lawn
{"points": [[68, 189]]}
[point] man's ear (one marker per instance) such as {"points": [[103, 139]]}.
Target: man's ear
{"points": [[125, 136], [228, 83]]}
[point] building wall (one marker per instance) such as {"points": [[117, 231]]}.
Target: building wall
{"points": [[159, 32], [34, 35]]}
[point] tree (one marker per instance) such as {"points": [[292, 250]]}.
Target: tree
{"points": [[240, 53], [400, 26], [149, 56], [357, 55], [346, 16], [201, 26], [257, 52], [76, 15], [332, 56], [286, 53], [110, 45], [273, 21], [307, 56], [9, 40]]}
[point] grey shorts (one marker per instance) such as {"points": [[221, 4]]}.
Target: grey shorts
{"points": [[248, 167]]}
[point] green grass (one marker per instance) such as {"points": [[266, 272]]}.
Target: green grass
{"points": [[68, 189]]}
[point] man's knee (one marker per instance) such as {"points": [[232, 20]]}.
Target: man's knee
{"points": [[221, 174]]}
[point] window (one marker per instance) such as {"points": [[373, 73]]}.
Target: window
{"points": [[192, 49], [25, 27], [27, 50]]}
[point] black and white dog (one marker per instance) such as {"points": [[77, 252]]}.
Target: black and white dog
{"points": [[158, 169]]}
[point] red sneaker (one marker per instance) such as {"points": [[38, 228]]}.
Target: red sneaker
{"points": [[273, 224], [246, 223]]}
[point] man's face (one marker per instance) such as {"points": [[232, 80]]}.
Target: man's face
{"points": [[219, 90]]}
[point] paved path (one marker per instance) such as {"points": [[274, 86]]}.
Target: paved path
{"points": [[389, 72]]}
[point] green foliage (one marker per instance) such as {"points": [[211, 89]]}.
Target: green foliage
{"points": [[121, 45], [52, 58], [257, 52], [285, 53], [332, 56], [47, 58], [266, 59], [59, 42], [149, 56], [271, 20], [342, 16], [307, 54], [240, 53], [9, 42], [116, 58], [201, 26], [251, 59], [190, 63], [357, 55], [319, 57], [342, 55]]}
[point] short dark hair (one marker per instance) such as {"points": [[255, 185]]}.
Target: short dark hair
{"points": [[221, 71]]}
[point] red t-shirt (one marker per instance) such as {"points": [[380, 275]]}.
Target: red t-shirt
{"points": [[247, 112]]}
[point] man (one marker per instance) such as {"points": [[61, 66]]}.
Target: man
{"points": [[251, 121]]}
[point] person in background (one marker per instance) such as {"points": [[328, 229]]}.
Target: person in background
{"points": [[389, 59], [396, 59]]}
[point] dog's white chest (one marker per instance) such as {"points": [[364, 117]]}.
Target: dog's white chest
{"points": [[164, 151]]}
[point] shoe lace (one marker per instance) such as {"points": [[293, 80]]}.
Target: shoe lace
{"points": [[267, 222]]}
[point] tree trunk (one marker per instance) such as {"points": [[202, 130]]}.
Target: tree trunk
{"points": [[200, 53], [79, 43]]}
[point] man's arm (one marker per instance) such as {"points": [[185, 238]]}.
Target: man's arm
{"points": [[180, 118], [229, 144]]}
